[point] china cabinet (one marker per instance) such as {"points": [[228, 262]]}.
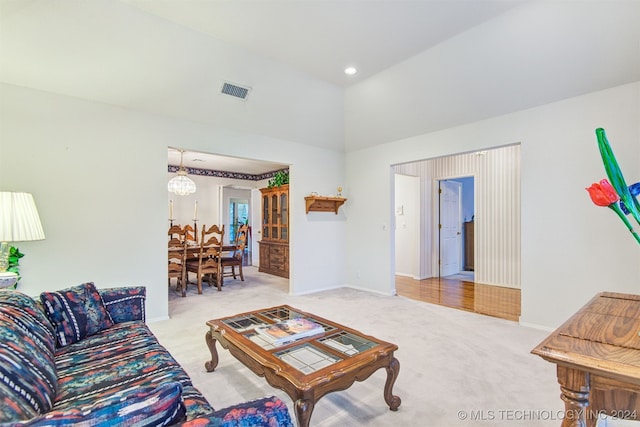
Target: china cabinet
{"points": [[274, 246]]}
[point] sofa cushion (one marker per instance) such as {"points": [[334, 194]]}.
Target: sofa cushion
{"points": [[76, 312], [125, 304], [27, 368], [124, 357], [159, 406]]}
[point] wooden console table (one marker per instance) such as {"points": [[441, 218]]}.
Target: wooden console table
{"points": [[597, 353]]}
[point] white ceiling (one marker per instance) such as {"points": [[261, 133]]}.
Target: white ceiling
{"points": [[167, 57], [323, 37]]}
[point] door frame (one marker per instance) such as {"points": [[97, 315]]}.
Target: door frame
{"points": [[435, 211]]}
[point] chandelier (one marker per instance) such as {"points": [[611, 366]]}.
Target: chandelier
{"points": [[181, 184]]}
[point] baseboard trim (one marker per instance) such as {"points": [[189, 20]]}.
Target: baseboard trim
{"points": [[536, 326], [158, 319]]}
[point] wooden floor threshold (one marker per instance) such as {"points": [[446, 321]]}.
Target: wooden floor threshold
{"points": [[496, 301]]}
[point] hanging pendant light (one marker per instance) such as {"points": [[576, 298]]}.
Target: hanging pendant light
{"points": [[181, 184]]}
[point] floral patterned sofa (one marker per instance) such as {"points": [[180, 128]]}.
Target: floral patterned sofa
{"points": [[83, 356]]}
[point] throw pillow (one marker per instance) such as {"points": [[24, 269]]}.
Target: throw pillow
{"points": [[125, 304], [76, 313], [265, 412], [145, 407], [32, 316]]}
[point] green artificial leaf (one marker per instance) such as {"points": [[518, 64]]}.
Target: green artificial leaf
{"points": [[14, 261], [279, 178], [615, 174]]}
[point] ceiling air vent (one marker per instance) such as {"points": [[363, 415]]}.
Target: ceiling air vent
{"points": [[235, 90]]}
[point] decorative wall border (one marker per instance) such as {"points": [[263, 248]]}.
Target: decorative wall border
{"points": [[225, 174]]}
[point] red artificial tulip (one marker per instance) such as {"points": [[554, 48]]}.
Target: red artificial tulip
{"points": [[609, 191], [603, 194]]}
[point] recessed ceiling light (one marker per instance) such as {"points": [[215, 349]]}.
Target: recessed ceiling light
{"points": [[350, 71]]}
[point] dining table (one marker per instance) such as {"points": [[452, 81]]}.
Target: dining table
{"points": [[194, 250]]}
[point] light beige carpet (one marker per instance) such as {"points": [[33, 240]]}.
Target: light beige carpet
{"points": [[456, 368]]}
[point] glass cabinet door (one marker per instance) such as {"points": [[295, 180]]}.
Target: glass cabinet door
{"points": [[284, 216], [265, 217], [274, 217], [275, 214]]}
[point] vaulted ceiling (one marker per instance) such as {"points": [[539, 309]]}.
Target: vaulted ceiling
{"points": [[323, 37], [169, 57]]}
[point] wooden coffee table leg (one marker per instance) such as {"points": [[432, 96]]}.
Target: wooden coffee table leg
{"points": [[211, 365], [304, 408], [392, 374]]}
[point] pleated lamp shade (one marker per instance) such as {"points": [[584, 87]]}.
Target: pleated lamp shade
{"points": [[19, 219]]}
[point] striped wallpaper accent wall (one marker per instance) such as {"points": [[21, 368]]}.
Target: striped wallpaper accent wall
{"points": [[496, 174]]}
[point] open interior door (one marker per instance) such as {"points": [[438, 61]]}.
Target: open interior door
{"points": [[450, 227]]}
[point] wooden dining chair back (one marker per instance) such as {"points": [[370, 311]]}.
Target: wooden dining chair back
{"points": [[190, 234], [176, 232], [236, 259], [209, 257], [176, 252]]}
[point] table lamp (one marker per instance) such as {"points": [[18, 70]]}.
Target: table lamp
{"points": [[19, 222]]}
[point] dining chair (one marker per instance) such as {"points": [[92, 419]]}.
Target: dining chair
{"points": [[237, 256], [176, 252], [176, 232], [190, 234], [209, 258]]}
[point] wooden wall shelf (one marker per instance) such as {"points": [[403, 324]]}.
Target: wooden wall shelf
{"points": [[324, 204]]}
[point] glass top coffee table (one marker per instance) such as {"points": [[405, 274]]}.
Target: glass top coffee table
{"points": [[308, 368]]}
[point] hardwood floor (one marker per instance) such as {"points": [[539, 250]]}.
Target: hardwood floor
{"points": [[493, 301]]}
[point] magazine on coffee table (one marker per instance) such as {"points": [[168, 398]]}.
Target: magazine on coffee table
{"points": [[289, 330]]}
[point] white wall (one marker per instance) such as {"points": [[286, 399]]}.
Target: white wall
{"points": [[206, 195], [407, 225], [570, 248], [99, 174]]}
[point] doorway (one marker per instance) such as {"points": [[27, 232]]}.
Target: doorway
{"points": [[456, 213], [449, 227], [489, 278], [490, 202], [227, 194], [238, 214]]}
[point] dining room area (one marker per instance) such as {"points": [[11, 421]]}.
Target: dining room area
{"points": [[214, 218], [204, 255]]}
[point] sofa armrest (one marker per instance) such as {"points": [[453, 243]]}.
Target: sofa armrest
{"points": [[267, 412], [125, 304]]}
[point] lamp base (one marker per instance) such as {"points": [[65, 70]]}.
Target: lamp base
{"points": [[5, 250], [7, 279]]}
